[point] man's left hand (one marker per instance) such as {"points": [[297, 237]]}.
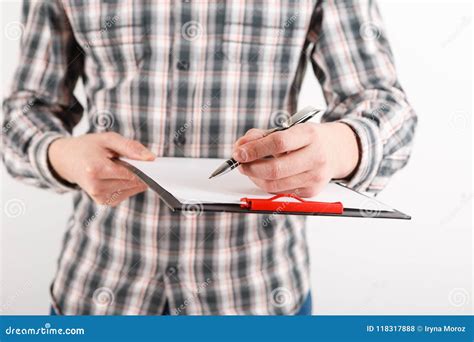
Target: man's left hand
{"points": [[305, 157]]}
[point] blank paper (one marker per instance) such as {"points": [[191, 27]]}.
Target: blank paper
{"points": [[187, 180]]}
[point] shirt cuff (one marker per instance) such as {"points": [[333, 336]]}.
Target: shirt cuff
{"points": [[370, 151], [38, 155]]}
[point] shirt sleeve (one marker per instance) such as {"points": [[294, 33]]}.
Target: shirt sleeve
{"points": [[41, 106], [354, 64]]}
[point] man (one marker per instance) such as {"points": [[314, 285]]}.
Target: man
{"points": [[187, 79]]}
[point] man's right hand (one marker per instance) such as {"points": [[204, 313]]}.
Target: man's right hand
{"points": [[87, 161]]}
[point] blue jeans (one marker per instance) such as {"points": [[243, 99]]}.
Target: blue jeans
{"points": [[307, 307], [305, 310]]}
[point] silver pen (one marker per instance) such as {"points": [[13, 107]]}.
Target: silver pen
{"points": [[301, 116]]}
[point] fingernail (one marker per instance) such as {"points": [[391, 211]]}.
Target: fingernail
{"points": [[240, 155], [146, 154]]}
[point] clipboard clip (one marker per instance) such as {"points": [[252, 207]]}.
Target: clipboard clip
{"points": [[271, 204]]}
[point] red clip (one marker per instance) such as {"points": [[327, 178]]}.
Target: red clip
{"points": [[285, 206]]}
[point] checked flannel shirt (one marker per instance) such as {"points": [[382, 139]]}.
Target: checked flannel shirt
{"points": [[187, 78]]}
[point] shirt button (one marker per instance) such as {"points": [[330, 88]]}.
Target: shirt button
{"points": [[171, 271], [179, 140], [183, 65]]}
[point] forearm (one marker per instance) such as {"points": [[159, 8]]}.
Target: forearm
{"points": [[342, 141], [360, 84], [384, 123], [41, 106], [28, 130]]}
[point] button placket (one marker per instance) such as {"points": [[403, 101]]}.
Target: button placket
{"points": [[188, 29]]}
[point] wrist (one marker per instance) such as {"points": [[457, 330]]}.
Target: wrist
{"points": [[56, 160], [344, 150]]}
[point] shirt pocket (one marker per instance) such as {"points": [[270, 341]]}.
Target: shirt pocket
{"points": [[259, 35], [119, 48], [111, 33]]}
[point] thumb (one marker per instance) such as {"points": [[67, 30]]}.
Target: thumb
{"points": [[127, 147]]}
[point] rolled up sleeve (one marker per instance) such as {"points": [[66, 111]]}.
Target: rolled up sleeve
{"points": [[353, 61], [41, 106]]}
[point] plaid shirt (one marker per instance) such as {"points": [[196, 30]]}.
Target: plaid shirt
{"points": [[187, 78]]}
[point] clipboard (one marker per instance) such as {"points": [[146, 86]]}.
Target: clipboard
{"points": [[283, 204]]}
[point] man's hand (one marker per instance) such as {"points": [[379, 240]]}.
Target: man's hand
{"points": [[86, 161], [305, 157]]}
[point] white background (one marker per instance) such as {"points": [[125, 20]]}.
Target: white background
{"points": [[359, 266]]}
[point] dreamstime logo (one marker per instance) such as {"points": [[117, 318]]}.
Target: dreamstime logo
{"points": [[103, 120], [192, 209], [288, 23], [266, 222], [107, 204], [26, 108], [291, 20], [103, 296], [459, 120], [97, 36], [371, 208], [182, 129], [10, 301], [465, 21], [458, 297], [47, 329], [465, 199], [377, 285], [191, 30], [14, 30], [14, 208], [189, 300], [281, 297], [369, 31], [9, 125], [280, 118], [379, 111]]}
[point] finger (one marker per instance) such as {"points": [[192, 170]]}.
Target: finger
{"points": [[108, 169], [289, 184], [285, 165], [117, 196], [126, 147], [127, 194], [279, 142], [252, 134], [312, 191], [304, 192], [109, 186]]}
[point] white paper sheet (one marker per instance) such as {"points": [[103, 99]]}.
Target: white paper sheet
{"points": [[187, 180]]}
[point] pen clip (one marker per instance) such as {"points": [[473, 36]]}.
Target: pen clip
{"points": [[303, 115]]}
